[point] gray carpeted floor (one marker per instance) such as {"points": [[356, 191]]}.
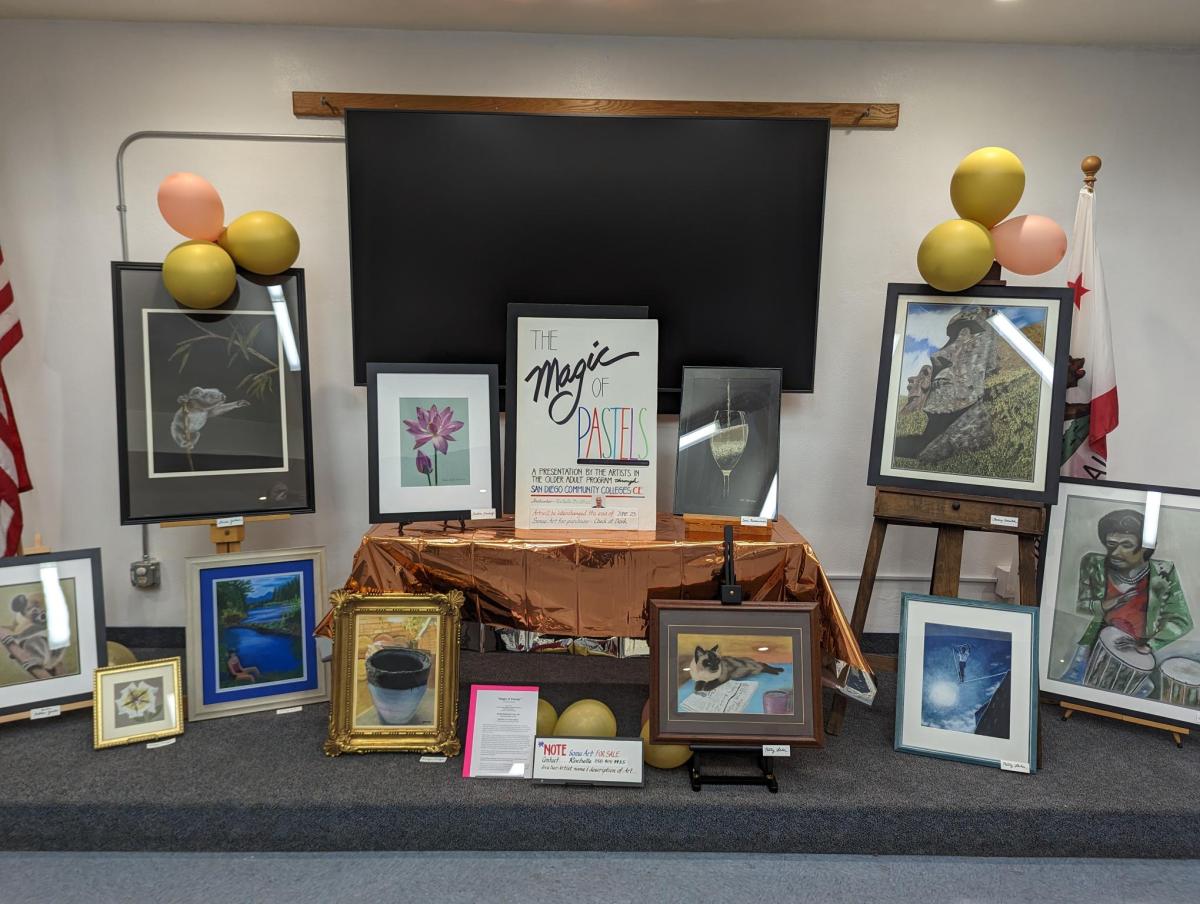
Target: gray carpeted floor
{"points": [[261, 783], [522, 878]]}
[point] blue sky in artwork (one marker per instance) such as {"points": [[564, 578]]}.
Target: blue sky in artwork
{"points": [[262, 587], [945, 702], [925, 331]]}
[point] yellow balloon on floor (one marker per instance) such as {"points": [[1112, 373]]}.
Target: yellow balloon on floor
{"points": [[261, 242], [987, 185], [199, 275], [586, 719], [955, 255], [663, 756], [119, 654], [547, 717]]}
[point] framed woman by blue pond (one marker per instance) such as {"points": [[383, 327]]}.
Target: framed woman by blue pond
{"points": [[250, 643]]}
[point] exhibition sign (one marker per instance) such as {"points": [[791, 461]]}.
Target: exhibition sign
{"points": [[586, 400]]}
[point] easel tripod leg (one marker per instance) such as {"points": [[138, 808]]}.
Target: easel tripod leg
{"points": [[858, 619]]}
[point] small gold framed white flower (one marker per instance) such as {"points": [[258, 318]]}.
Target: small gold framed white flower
{"points": [[142, 701]]}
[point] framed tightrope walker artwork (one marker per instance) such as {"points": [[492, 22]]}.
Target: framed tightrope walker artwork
{"points": [[51, 630], [141, 701], [746, 674], [433, 441], [251, 617], [971, 390], [966, 686], [1121, 599], [395, 678], [213, 413]]}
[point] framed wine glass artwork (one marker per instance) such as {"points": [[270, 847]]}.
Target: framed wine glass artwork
{"points": [[727, 460]]}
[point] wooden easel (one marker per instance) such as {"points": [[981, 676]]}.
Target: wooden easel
{"points": [[226, 538], [952, 515], [1175, 731]]}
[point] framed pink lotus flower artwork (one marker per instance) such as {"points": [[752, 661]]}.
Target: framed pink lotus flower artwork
{"points": [[434, 438]]}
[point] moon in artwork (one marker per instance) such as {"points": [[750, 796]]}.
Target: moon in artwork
{"points": [[943, 694]]}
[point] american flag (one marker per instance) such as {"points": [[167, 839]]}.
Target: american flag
{"points": [[14, 477]]}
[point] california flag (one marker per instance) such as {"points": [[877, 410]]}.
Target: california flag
{"points": [[1092, 382]]}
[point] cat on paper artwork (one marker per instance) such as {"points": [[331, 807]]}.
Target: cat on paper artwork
{"points": [[709, 669]]}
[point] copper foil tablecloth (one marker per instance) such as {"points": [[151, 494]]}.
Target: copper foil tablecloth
{"points": [[592, 585]]}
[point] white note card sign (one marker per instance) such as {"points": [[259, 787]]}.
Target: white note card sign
{"points": [[588, 761], [587, 404]]}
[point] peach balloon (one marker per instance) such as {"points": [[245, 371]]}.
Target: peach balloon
{"points": [[1029, 245], [191, 206]]}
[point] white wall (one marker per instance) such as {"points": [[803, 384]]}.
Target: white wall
{"points": [[70, 92]]}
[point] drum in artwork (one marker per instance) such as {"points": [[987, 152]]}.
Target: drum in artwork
{"points": [[1115, 665], [1179, 682]]}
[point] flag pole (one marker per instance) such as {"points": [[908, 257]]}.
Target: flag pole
{"points": [[1090, 166]]}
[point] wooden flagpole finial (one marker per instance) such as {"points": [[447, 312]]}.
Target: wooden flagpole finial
{"points": [[1090, 166]]}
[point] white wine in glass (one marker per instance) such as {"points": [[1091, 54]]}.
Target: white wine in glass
{"points": [[728, 442]]}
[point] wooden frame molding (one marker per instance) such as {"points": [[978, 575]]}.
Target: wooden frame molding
{"points": [[859, 115]]}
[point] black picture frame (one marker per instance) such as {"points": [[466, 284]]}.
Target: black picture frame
{"points": [[693, 492], [84, 678], [374, 371], [981, 487], [517, 310], [798, 621], [1051, 565], [146, 500]]}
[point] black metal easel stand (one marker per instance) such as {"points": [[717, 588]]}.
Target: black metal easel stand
{"points": [[731, 595], [764, 776]]}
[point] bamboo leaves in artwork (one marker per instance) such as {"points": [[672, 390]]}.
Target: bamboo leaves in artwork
{"points": [[240, 347]]}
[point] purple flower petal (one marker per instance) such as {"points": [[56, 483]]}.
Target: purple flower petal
{"points": [[424, 464], [439, 443], [453, 427], [422, 440]]}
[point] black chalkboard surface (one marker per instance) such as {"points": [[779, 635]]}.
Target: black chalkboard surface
{"points": [[714, 224]]}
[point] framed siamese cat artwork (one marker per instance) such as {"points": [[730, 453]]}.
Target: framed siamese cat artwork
{"points": [[213, 410], [745, 674], [972, 391]]}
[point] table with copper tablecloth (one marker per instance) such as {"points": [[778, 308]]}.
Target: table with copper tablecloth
{"points": [[593, 585]]}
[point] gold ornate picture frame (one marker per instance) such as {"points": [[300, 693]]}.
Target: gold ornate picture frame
{"points": [[138, 702], [395, 673]]}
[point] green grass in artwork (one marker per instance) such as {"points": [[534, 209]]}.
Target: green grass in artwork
{"points": [[1013, 398]]}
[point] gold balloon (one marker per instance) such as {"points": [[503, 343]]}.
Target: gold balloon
{"points": [[119, 654], [987, 185], [663, 756], [586, 719], [547, 717], [261, 242], [199, 275], [955, 255]]}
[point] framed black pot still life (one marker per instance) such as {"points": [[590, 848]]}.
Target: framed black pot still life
{"points": [[213, 414], [727, 459], [971, 390], [746, 674], [433, 442]]}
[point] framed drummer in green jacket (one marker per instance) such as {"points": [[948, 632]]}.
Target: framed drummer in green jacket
{"points": [[1122, 599]]}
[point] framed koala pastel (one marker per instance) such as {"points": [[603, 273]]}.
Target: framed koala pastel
{"points": [[213, 414], [746, 674], [971, 391], [51, 632]]}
